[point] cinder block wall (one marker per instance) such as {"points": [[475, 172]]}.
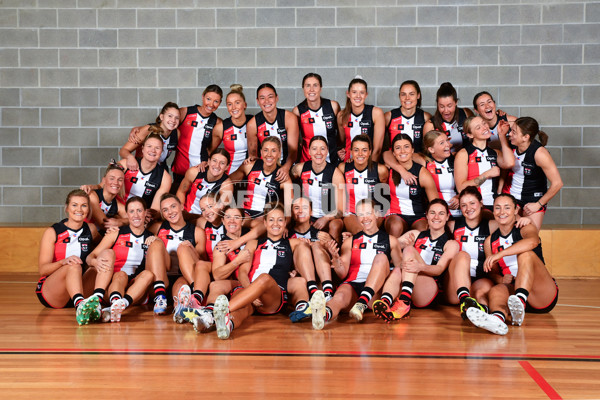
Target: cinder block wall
{"points": [[75, 75]]}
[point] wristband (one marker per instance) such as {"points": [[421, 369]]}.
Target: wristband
{"points": [[541, 205]]}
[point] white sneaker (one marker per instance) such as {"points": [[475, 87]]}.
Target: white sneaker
{"points": [[486, 321], [160, 305], [517, 310], [357, 311], [116, 309], [317, 305], [222, 318], [183, 299], [105, 314], [204, 322]]}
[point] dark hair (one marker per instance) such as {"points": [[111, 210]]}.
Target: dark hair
{"points": [[348, 108], [366, 201], [446, 90], [305, 198], [239, 210], [315, 138], [507, 195], [365, 139], [272, 207], [311, 75], [236, 88], [137, 199], [76, 193], [403, 136], [530, 126], [416, 86], [470, 190], [265, 85], [166, 196], [223, 152], [428, 141], [213, 89], [439, 201], [168, 104], [478, 95]]}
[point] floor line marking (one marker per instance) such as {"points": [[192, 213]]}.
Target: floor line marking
{"points": [[575, 305], [539, 379]]}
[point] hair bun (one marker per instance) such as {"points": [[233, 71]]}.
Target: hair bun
{"points": [[236, 88], [358, 77]]}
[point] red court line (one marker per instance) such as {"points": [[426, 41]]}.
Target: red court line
{"points": [[300, 353], [539, 379]]}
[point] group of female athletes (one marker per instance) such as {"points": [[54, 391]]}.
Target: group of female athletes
{"points": [[321, 209]]}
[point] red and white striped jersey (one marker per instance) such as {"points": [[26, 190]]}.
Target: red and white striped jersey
{"points": [[480, 161], [319, 189], [319, 122], [411, 126], [235, 142], [359, 185], [276, 128], [130, 250], [214, 234], [443, 176], [509, 265], [407, 199], [194, 140], [199, 188], [72, 243], [431, 250], [273, 258], [357, 125], [364, 249], [143, 184], [262, 188]]}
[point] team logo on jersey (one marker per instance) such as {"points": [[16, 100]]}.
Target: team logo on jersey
{"points": [[280, 253], [144, 247], [329, 124], [527, 171], [412, 190], [436, 257], [170, 237], [447, 133], [350, 124], [266, 133], [417, 134], [84, 247], [67, 240], [438, 171], [464, 239], [477, 159], [310, 181], [257, 181], [283, 137]]}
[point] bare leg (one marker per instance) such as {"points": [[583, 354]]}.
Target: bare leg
{"points": [[352, 225], [459, 275], [62, 285], [187, 258], [425, 291], [139, 287], [264, 288], [336, 226], [342, 300], [322, 261], [395, 226], [118, 283]]}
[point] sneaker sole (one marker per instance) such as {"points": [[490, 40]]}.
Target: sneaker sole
{"points": [[115, 311], [90, 305], [517, 311], [220, 310], [317, 306], [200, 327], [485, 321], [381, 310], [357, 316]]}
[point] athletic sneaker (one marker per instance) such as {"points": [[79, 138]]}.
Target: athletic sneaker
{"points": [[328, 296], [186, 314], [204, 321], [358, 310], [160, 305], [317, 306], [194, 303], [467, 303], [517, 309], [486, 321], [222, 317], [88, 310], [299, 315], [106, 314], [398, 310], [116, 309], [183, 300]]}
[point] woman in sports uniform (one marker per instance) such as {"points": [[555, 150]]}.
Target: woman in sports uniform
{"points": [[364, 261], [262, 184], [106, 211], [528, 179], [266, 280], [440, 163], [273, 122], [485, 106], [515, 263], [199, 181], [425, 258], [477, 164], [63, 250], [323, 184], [318, 117], [125, 250], [165, 125], [362, 176], [408, 201], [358, 118], [448, 117], [235, 139]]}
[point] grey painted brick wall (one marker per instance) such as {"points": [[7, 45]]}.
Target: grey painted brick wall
{"points": [[76, 75]]}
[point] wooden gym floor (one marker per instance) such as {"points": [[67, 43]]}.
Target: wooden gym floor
{"points": [[434, 354]]}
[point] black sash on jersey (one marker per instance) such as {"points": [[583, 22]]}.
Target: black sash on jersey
{"points": [[114, 208], [208, 129], [418, 124], [260, 119], [330, 125]]}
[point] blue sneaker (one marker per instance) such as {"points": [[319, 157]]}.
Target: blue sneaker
{"points": [[160, 305], [183, 301], [299, 315]]}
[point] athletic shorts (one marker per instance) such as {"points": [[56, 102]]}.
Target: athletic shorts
{"points": [[40, 296]]}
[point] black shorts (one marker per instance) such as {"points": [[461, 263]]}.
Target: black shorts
{"points": [[410, 219], [253, 214], [282, 304], [357, 286], [521, 203], [546, 309], [40, 296]]}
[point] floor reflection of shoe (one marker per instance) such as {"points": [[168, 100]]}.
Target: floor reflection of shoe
{"points": [[486, 321]]}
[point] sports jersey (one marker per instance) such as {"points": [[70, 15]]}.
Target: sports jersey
{"points": [[319, 188], [494, 130], [508, 265], [479, 161], [143, 184], [214, 234], [262, 188], [201, 186], [274, 258], [411, 126], [310, 234], [359, 185], [407, 199], [72, 243], [169, 145], [276, 128], [358, 125], [364, 249], [195, 139], [454, 130], [173, 238], [443, 176], [130, 250], [232, 255], [321, 122], [110, 210], [235, 142], [526, 180], [471, 240], [431, 250]]}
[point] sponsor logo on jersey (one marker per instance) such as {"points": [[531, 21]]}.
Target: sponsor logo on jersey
{"points": [[380, 246]]}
